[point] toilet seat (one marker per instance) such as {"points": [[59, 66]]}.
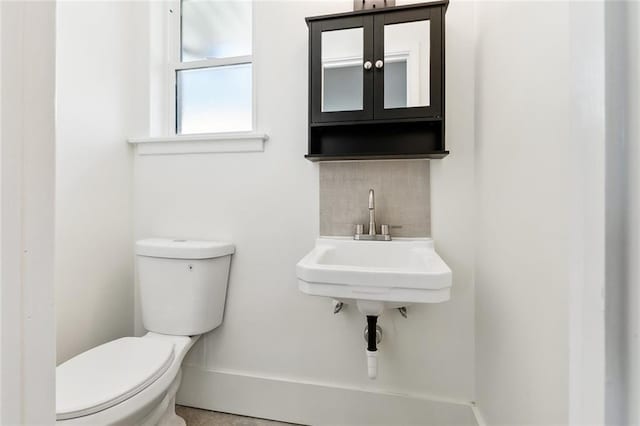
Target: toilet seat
{"points": [[109, 374]]}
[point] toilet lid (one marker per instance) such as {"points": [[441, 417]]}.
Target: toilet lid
{"points": [[109, 374]]}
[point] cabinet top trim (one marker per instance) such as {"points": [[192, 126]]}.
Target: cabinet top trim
{"points": [[437, 3]]}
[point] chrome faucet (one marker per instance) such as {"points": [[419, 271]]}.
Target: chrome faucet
{"points": [[372, 213], [372, 235]]}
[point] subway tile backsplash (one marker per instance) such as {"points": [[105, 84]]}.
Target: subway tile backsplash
{"points": [[401, 194]]}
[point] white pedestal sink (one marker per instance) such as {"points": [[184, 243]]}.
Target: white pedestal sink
{"points": [[375, 275]]}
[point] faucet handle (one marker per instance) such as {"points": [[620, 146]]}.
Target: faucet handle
{"points": [[384, 229], [359, 229]]}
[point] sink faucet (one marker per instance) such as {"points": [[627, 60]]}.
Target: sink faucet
{"points": [[372, 213], [372, 235]]}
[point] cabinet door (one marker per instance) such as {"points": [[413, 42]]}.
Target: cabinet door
{"points": [[342, 69], [408, 64]]}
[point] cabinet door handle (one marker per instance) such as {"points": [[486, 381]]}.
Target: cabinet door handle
{"points": [[367, 65], [379, 63]]}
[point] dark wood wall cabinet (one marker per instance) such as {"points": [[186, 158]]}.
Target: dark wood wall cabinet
{"points": [[376, 83]]}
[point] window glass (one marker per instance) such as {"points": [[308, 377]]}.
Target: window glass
{"points": [[217, 99], [215, 29]]}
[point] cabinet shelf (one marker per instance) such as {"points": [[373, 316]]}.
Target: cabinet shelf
{"points": [[376, 156], [351, 123], [374, 139]]}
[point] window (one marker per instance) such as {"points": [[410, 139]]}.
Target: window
{"points": [[213, 75]]}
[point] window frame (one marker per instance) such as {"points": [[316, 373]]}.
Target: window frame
{"points": [[175, 64]]}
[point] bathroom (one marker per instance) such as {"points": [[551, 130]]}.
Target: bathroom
{"points": [[533, 210]]}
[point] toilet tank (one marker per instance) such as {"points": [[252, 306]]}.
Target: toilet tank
{"points": [[183, 284]]}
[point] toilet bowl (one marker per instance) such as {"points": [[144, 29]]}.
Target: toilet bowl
{"points": [[134, 380]]}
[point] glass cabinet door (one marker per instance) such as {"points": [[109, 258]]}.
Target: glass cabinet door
{"points": [[408, 64], [342, 76], [342, 70]]}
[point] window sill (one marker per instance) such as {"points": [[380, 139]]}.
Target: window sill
{"points": [[201, 144]]}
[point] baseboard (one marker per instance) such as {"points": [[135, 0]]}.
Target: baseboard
{"points": [[315, 403]]}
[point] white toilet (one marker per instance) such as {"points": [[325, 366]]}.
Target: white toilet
{"points": [[134, 380]]}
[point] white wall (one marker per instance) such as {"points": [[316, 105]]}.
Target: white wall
{"points": [[267, 204], [523, 182], [26, 212], [101, 100], [452, 201], [591, 215], [549, 210]]}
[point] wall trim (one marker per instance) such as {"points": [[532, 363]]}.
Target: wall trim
{"points": [[201, 144], [313, 402], [589, 242], [27, 223]]}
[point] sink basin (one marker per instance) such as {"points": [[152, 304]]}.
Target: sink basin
{"points": [[375, 274]]}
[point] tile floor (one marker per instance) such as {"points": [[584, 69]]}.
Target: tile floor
{"points": [[197, 417]]}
